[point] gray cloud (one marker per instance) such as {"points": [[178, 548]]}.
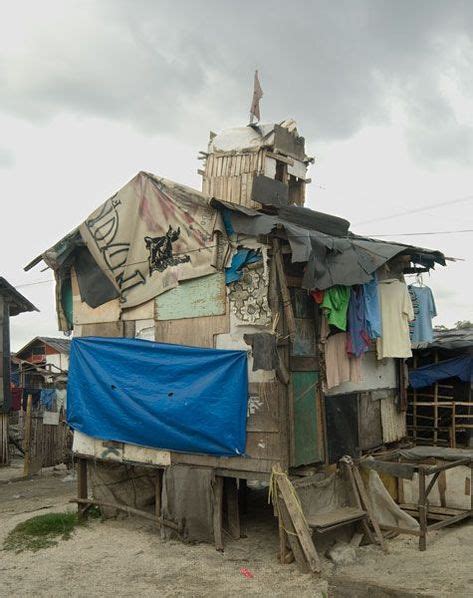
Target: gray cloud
{"points": [[183, 67]]}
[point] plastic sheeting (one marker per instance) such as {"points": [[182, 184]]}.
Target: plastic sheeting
{"points": [[158, 395], [461, 367]]}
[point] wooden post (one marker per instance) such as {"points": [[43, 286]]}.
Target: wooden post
{"points": [[366, 501], [286, 296], [299, 522], [422, 506], [157, 493], [82, 490], [27, 437], [471, 487], [231, 502], [217, 512]]}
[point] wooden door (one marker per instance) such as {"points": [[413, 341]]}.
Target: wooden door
{"points": [[306, 443]]}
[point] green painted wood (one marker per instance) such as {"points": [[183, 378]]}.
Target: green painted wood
{"points": [[306, 445], [194, 298]]}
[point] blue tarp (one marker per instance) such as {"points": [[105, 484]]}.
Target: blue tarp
{"points": [[159, 395], [241, 258], [460, 367]]}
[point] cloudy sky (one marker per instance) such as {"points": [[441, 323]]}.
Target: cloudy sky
{"points": [[91, 92]]}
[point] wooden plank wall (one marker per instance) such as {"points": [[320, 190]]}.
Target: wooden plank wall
{"points": [[229, 176]]}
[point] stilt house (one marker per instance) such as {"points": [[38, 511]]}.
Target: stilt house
{"points": [[237, 267]]}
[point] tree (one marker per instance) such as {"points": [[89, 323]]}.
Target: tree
{"points": [[463, 324]]}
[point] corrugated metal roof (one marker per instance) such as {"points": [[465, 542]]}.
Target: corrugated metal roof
{"points": [[453, 339], [62, 345], [18, 303]]}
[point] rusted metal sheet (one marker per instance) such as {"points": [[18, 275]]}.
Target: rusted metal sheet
{"points": [[205, 296], [393, 421]]}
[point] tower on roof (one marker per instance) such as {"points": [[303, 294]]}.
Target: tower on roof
{"points": [[257, 165]]}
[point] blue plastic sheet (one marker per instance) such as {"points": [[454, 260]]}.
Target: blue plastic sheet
{"points": [[159, 395], [241, 258], [460, 367], [47, 397]]}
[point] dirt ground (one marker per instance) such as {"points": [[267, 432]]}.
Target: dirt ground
{"points": [[127, 557]]}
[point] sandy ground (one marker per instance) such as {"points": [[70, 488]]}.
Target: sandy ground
{"points": [[127, 558]]}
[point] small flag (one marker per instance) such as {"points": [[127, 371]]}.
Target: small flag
{"points": [[257, 95]]}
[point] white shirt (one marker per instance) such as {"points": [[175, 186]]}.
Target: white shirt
{"points": [[396, 313]]}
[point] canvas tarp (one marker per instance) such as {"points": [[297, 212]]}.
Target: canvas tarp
{"points": [[459, 367], [159, 395], [150, 235]]}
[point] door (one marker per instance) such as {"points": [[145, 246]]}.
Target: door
{"points": [[306, 442]]}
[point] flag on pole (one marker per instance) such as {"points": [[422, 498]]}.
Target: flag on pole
{"points": [[257, 95]]}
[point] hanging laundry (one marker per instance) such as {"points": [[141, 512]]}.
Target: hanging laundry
{"points": [[335, 304], [338, 366], [61, 398], [16, 396], [358, 339], [372, 310], [420, 327], [264, 350], [317, 296], [396, 313], [47, 398]]}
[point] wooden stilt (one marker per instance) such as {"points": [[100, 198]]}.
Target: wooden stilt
{"points": [[157, 492], [422, 506], [27, 437], [218, 512], [82, 488], [232, 510]]}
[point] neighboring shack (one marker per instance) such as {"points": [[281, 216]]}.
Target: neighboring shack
{"points": [[243, 266], [12, 303]]}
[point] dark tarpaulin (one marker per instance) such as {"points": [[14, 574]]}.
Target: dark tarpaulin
{"points": [[338, 258], [95, 287], [459, 367]]}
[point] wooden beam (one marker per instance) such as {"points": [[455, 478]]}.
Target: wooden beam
{"points": [[130, 510], [299, 522], [82, 489], [218, 512], [286, 296]]}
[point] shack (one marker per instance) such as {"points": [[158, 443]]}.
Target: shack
{"points": [[12, 303], [440, 411], [320, 314]]}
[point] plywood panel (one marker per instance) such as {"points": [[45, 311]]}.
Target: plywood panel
{"points": [[205, 296], [145, 311], [263, 407], [195, 332], [369, 417], [108, 329], [263, 445]]}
